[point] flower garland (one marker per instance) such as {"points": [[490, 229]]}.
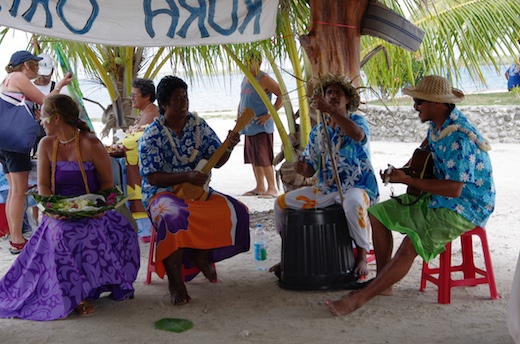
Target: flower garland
{"points": [[197, 142], [484, 146]]}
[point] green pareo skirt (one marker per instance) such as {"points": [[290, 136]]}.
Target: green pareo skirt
{"points": [[429, 229]]}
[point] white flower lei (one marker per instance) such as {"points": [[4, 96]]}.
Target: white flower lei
{"points": [[484, 146]]}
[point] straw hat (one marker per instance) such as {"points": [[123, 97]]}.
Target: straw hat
{"points": [[435, 89], [318, 85]]}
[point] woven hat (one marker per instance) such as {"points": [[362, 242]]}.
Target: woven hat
{"points": [[435, 89], [317, 86]]}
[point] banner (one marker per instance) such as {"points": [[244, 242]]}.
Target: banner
{"points": [[143, 23]]}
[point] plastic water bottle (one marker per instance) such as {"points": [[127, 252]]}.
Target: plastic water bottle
{"points": [[260, 247]]}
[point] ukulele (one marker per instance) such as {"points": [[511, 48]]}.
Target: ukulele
{"points": [[196, 192]]}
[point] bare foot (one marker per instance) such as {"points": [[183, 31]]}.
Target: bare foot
{"points": [[275, 267], [200, 259], [179, 296], [361, 268], [342, 306], [85, 308]]}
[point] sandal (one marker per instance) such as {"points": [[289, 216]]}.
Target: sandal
{"points": [[16, 248], [85, 308]]}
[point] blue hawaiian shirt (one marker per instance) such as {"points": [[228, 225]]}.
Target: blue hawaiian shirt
{"points": [[458, 155], [156, 153], [353, 162]]}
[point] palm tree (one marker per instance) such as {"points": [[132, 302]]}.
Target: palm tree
{"points": [[458, 33]]}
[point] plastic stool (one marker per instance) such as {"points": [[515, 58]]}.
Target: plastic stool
{"points": [[151, 256], [444, 281], [151, 261]]}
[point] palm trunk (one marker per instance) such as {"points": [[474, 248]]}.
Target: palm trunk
{"points": [[333, 42]]}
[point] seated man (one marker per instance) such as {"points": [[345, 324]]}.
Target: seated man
{"points": [[349, 140], [461, 197]]}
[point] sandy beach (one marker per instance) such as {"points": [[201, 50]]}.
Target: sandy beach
{"points": [[248, 306]]}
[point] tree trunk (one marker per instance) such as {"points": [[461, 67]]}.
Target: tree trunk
{"points": [[333, 42]]}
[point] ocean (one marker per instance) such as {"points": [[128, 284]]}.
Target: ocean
{"points": [[221, 94]]}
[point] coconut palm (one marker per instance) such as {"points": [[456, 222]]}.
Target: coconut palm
{"points": [[458, 33]]}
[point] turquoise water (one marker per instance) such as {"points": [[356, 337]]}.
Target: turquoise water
{"points": [[222, 93]]}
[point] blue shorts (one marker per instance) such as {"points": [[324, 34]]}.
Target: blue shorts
{"points": [[15, 162]]}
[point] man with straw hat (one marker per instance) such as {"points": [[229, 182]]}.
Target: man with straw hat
{"points": [[461, 197], [346, 139]]}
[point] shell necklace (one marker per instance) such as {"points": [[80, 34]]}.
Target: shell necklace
{"points": [[195, 151], [69, 141]]}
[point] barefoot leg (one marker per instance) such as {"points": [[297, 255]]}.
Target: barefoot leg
{"points": [[394, 271], [200, 259], [173, 265], [361, 268]]}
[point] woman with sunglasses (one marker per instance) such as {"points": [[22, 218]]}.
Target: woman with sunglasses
{"points": [[22, 67], [68, 261]]}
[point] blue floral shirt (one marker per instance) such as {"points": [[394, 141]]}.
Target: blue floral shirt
{"points": [[353, 161], [156, 153], [458, 155]]}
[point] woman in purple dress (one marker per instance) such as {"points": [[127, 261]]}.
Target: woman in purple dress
{"points": [[68, 260]]}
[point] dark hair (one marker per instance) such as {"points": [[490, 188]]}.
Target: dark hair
{"points": [[67, 108], [146, 87], [165, 88]]}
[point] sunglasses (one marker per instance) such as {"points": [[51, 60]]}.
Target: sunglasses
{"points": [[418, 102], [46, 119], [134, 95]]}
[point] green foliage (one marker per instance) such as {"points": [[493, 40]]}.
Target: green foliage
{"points": [[174, 325]]}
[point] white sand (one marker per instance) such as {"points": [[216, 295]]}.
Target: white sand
{"points": [[249, 307]]}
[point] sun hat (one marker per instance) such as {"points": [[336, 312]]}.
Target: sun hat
{"points": [[317, 86], [22, 56], [46, 65], [435, 89]]}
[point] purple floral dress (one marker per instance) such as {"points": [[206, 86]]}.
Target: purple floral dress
{"points": [[67, 261]]}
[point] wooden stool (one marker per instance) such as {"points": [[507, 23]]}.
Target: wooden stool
{"points": [[444, 281]]}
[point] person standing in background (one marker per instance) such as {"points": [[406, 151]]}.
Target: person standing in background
{"points": [[22, 67], [513, 76], [46, 85], [258, 143]]}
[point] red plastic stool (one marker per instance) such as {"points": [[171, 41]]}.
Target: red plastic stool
{"points": [[151, 261], [444, 281]]}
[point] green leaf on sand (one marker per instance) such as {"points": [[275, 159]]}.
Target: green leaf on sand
{"points": [[173, 325]]}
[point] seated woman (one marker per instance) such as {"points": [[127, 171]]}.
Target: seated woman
{"points": [[70, 260], [190, 232], [142, 97]]}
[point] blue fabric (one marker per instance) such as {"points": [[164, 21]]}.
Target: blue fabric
{"points": [[249, 98], [354, 165], [19, 128], [457, 157], [157, 155], [514, 77]]}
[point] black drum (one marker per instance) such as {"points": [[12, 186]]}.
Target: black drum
{"points": [[316, 250]]}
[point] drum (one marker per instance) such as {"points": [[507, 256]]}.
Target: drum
{"points": [[316, 250]]}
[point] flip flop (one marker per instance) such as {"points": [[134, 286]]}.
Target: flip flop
{"points": [[16, 248], [267, 196], [250, 193]]}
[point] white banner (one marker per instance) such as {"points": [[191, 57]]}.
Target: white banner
{"points": [[144, 22]]}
